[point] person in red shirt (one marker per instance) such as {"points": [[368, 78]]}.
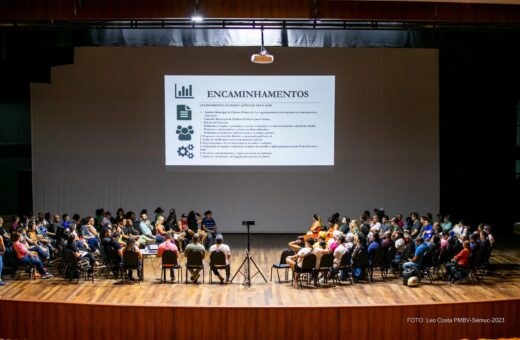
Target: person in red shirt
{"points": [[461, 259]]}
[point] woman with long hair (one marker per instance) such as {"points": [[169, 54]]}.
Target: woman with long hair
{"points": [[171, 222], [160, 231], [315, 227]]}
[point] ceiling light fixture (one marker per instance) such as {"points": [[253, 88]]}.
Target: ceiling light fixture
{"points": [[263, 57], [196, 17]]}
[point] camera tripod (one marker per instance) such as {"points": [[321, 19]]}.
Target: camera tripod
{"points": [[246, 264]]}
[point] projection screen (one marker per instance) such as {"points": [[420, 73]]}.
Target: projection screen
{"points": [[99, 137]]}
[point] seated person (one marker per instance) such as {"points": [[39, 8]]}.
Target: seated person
{"points": [[387, 241], [315, 227], [44, 238], [31, 242], [420, 250], [359, 257], [339, 251], [295, 261], [373, 247], [319, 252], [160, 231], [145, 227], [345, 225], [171, 221], [168, 244], [195, 246], [183, 233], [446, 223], [220, 246], [90, 234], [332, 242], [109, 241], [132, 247], [26, 257], [461, 231], [129, 231], [118, 232], [426, 231], [81, 255], [375, 225], [193, 226], [209, 226], [297, 244], [461, 259], [322, 237]]}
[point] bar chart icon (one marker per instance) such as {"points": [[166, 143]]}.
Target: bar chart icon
{"points": [[183, 112], [183, 92]]}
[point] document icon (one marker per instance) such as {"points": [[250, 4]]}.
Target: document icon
{"points": [[183, 112]]}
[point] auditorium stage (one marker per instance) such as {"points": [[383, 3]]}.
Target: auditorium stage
{"points": [[354, 306]]}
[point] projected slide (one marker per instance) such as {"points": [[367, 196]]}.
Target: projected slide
{"points": [[249, 120]]}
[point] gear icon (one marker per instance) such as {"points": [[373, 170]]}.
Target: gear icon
{"points": [[191, 155], [182, 151], [190, 147]]}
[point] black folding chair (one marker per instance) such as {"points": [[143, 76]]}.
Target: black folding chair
{"points": [[426, 265], [25, 267], [170, 261], [397, 265], [307, 269], [325, 266], [282, 265], [389, 257], [113, 263], [444, 256], [375, 262], [76, 268], [195, 260], [345, 266], [217, 260], [131, 261]]}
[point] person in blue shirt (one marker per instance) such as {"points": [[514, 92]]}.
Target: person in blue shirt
{"points": [[210, 227], [420, 250], [426, 229], [373, 247]]}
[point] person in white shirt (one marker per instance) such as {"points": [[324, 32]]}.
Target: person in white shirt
{"points": [[339, 251], [375, 226], [349, 243], [220, 246], [461, 231], [295, 261]]}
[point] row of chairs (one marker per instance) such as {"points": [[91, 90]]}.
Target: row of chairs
{"points": [[169, 261], [385, 261]]}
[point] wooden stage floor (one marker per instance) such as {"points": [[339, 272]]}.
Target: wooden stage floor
{"points": [[502, 284]]}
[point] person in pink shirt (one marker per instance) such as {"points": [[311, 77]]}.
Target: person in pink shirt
{"points": [[168, 244], [26, 257], [444, 240]]}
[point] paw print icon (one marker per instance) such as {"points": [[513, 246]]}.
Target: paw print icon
{"points": [[184, 132]]}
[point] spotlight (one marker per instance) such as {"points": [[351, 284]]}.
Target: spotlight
{"points": [[263, 57], [197, 18]]}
